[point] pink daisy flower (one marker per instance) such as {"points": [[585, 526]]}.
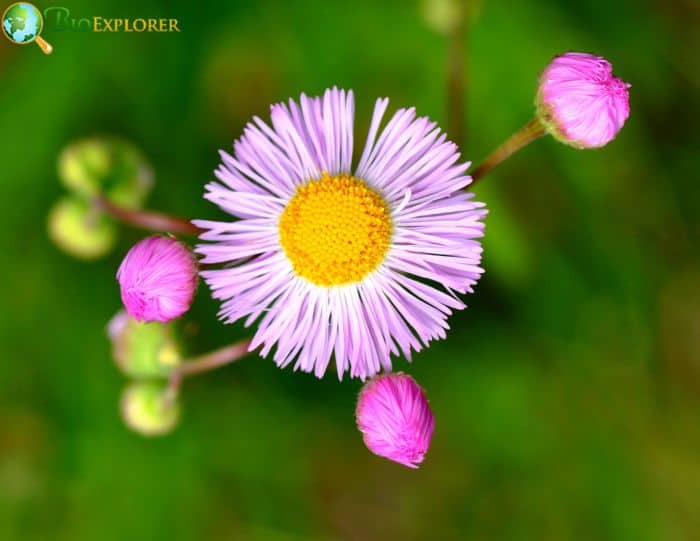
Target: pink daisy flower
{"points": [[355, 264]]}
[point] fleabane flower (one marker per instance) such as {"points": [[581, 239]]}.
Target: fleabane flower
{"points": [[580, 102], [395, 419], [157, 279], [354, 264]]}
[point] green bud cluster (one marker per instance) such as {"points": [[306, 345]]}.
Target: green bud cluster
{"points": [[80, 230], [99, 166], [147, 353], [106, 166], [147, 408]]}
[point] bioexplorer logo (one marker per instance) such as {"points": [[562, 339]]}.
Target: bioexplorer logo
{"points": [[23, 23]]}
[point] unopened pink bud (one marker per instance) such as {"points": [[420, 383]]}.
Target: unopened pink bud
{"points": [[580, 102], [158, 278], [395, 418]]}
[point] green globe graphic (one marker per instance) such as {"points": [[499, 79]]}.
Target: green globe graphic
{"points": [[22, 22]]}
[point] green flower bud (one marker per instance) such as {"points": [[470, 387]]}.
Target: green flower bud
{"points": [[82, 231], [143, 350], [443, 16], [109, 166], [147, 408]]}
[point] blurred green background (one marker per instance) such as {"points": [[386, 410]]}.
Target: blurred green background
{"points": [[567, 396]]}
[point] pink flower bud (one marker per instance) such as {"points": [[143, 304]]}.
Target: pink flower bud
{"points": [[580, 102], [158, 278], [395, 418]]}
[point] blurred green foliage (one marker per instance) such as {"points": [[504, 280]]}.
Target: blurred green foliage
{"points": [[566, 396]]}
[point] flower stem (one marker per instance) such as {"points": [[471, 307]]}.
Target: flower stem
{"points": [[205, 363], [154, 221], [525, 135], [456, 77]]}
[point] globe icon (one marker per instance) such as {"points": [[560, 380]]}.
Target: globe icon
{"points": [[22, 23]]}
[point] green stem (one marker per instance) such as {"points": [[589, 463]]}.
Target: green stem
{"points": [[524, 136], [205, 363], [154, 221], [456, 77]]}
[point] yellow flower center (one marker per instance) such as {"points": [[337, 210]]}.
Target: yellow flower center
{"points": [[335, 230]]}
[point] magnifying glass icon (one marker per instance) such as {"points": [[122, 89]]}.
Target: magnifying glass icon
{"points": [[22, 23]]}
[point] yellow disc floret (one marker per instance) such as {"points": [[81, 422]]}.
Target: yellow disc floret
{"points": [[335, 230]]}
